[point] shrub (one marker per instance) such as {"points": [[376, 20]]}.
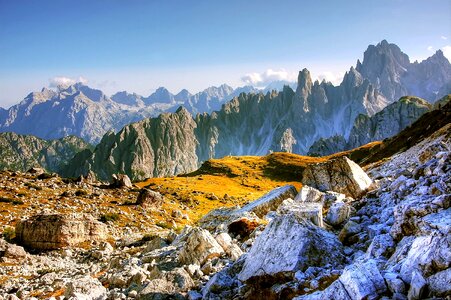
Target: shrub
{"points": [[9, 233], [109, 217]]}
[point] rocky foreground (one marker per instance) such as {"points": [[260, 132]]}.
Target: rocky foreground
{"points": [[347, 234]]}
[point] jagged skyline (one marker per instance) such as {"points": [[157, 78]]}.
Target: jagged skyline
{"points": [[143, 46]]}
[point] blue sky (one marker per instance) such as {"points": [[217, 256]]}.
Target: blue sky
{"points": [[140, 45]]}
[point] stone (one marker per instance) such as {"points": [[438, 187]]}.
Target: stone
{"points": [[395, 283], [289, 244], [417, 286], [439, 284], [358, 281], [85, 287], [338, 213], [199, 246], [350, 229], [309, 194], [167, 285], [381, 245], [270, 201], [243, 226], [14, 252], [340, 175], [121, 181], [310, 211], [148, 198], [428, 254], [46, 232], [224, 240]]}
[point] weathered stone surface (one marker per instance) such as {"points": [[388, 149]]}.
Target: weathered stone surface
{"points": [[200, 246], [167, 285], [428, 254], [121, 180], [309, 194], [338, 213], [358, 281], [149, 198], [46, 232], [439, 284], [11, 251], [287, 245], [270, 201], [417, 286], [86, 288], [340, 175], [303, 210]]}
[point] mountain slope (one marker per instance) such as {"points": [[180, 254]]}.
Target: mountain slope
{"points": [[386, 123], [250, 124], [22, 152]]}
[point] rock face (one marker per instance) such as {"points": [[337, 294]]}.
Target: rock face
{"points": [[288, 245], [163, 146], [391, 72], [384, 124], [340, 175], [45, 232], [22, 152]]}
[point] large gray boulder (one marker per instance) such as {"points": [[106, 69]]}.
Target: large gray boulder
{"points": [[340, 175], [287, 245], [45, 232]]}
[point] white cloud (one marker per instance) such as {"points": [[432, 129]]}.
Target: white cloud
{"points": [[447, 52], [444, 37], [430, 49], [268, 76], [334, 77], [65, 81]]}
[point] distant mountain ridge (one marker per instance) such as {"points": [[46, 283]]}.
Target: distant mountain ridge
{"points": [[22, 152], [255, 124], [88, 113]]}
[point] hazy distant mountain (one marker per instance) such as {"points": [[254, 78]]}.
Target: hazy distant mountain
{"points": [[88, 113]]}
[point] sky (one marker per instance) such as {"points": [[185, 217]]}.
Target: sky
{"points": [[138, 45]]}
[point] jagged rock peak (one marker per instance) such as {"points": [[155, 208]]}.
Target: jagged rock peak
{"points": [[304, 88]]}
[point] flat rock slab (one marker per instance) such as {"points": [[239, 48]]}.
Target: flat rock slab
{"points": [[270, 201]]}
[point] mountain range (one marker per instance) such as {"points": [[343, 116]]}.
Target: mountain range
{"points": [[362, 108], [88, 113]]}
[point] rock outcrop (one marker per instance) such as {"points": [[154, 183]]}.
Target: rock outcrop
{"points": [[340, 175], [44, 232]]}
